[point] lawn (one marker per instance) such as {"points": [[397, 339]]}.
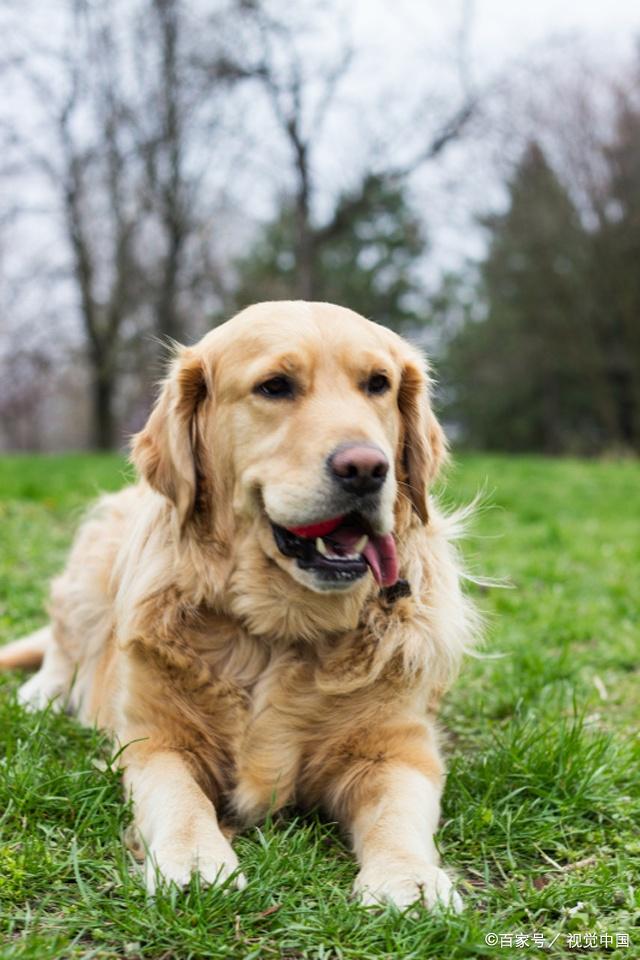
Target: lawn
{"points": [[542, 806]]}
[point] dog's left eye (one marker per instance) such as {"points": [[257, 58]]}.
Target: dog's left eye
{"points": [[276, 388], [377, 383]]}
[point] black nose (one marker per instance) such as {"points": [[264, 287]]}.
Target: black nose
{"points": [[359, 468]]}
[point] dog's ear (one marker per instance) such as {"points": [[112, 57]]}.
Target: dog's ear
{"points": [[424, 446], [164, 452]]}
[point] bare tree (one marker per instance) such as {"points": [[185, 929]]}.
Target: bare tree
{"points": [[84, 149], [165, 162], [181, 143], [123, 116], [287, 93], [104, 309], [301, 94]]}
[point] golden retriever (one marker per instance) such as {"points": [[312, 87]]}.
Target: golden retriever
{"points": [[272, 613]]}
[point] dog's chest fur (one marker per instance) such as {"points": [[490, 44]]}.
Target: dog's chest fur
{"points": [[263, 714]]}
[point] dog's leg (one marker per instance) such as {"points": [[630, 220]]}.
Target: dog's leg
{"points": [[27, 652], [384, 785], [52, 683], [393, 840], [176, 821]]}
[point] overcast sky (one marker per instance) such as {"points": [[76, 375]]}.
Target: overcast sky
{"points": [[614, 21], [504, 26], [501, 30]]}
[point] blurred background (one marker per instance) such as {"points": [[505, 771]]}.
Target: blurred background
{"points": [[466, 173]]}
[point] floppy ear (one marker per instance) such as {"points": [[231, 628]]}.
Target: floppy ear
{"points": [[424, 446], [164, 451]]}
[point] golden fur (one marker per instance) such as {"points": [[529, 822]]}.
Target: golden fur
{"points": [[234, 684]]}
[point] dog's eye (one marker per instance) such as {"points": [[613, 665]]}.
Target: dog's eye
{"points": [[276, 388], [377, 383]]}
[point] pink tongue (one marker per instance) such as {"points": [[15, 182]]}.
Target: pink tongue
{"points": [[380, 553]]}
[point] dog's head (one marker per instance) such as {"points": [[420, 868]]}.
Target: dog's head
{"points": [[308, 427]]}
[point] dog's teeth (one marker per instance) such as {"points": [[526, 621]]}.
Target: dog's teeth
{"points": [[361, 544], [321, 547]]}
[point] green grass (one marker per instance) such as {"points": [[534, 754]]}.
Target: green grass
{"points": [[542, 805]]}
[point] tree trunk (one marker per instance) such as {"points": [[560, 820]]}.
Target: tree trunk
{"points": [[174, 214], [168, 321], [304, 243], [103, 425], [305, 279]]}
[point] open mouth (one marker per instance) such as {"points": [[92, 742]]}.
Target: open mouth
{"points": [[341, 549]]}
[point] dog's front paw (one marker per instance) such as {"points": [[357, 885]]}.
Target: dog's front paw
{"points": [[405, 883], [173, 861], [40, 691]]}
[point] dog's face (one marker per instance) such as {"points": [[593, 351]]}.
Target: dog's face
{"points": [[306, 423]]}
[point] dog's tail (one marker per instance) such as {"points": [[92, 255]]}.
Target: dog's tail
{"points": [[27, 652]]}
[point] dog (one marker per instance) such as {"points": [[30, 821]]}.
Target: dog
{"points": [[271, 614]]}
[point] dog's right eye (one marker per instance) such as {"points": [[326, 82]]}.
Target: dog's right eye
{"points": [[276, 388]]}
